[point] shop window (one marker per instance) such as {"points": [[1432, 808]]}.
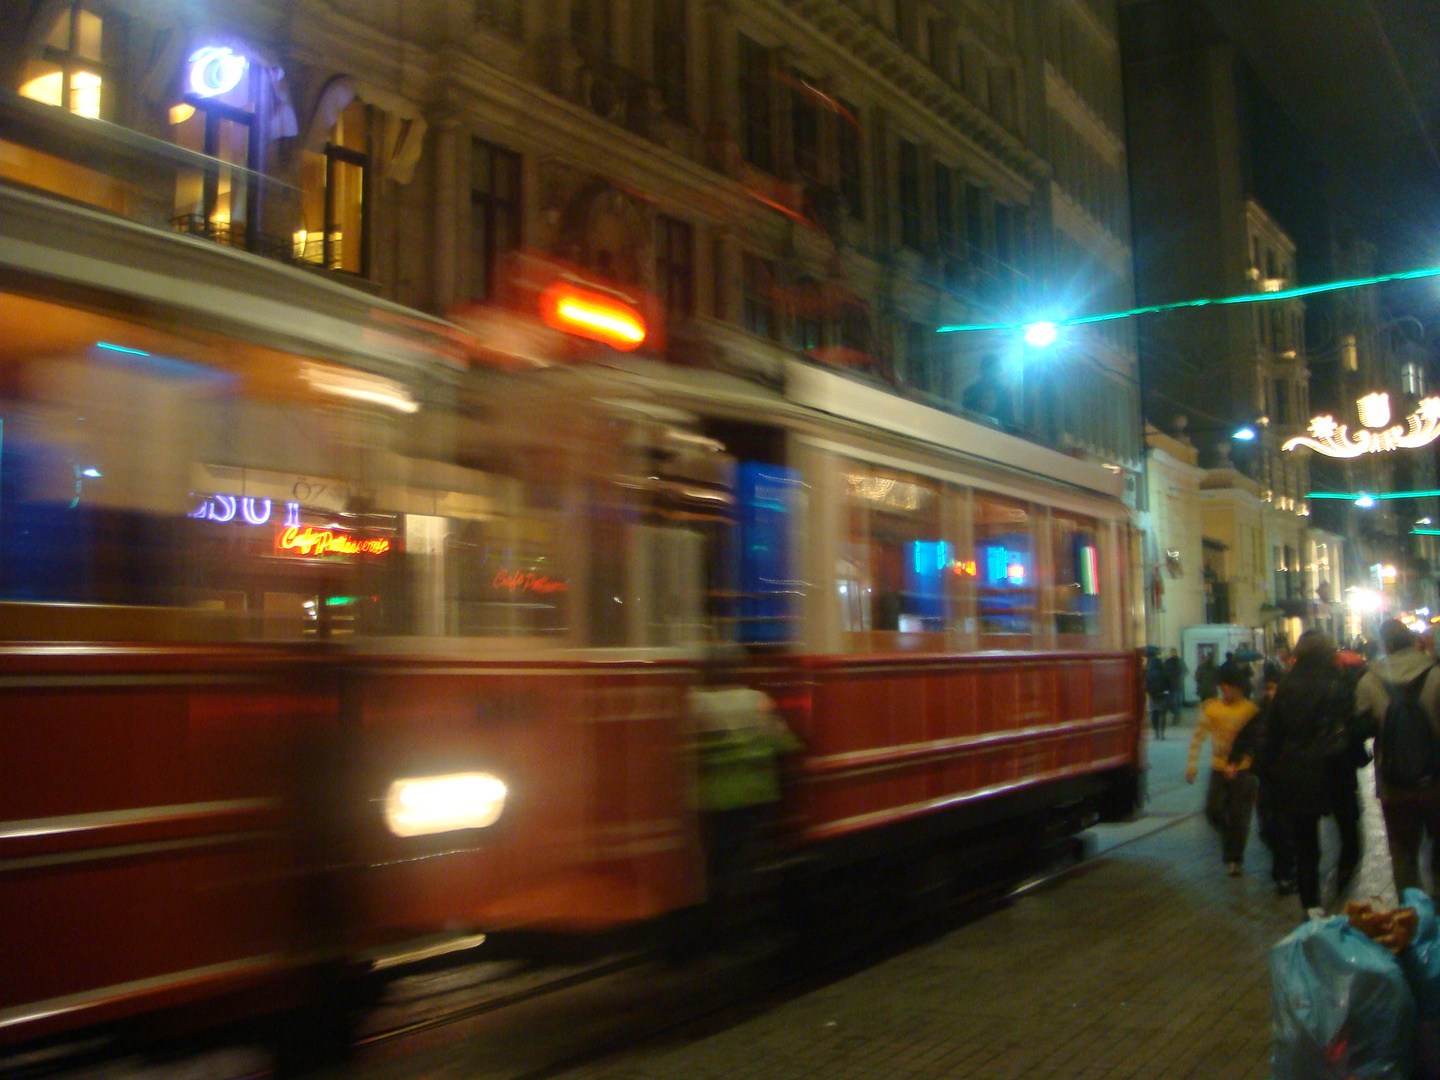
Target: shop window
{"points": [[494, 212], [675, 265], [1004, 568], [335, 189], [1076, 559], [759, 308], [69, 73], [893, 566]]}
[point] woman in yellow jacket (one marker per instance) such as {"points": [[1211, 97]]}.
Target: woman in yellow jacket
{"points": [[1231, 796]]}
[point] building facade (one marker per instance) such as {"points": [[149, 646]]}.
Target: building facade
{"points": [[826, 180]]}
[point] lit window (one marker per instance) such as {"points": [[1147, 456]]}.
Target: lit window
{"points": [[69, 73], [333, 187]]}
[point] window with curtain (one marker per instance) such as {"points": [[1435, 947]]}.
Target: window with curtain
{"points": [[671, 45], [334, 190]]}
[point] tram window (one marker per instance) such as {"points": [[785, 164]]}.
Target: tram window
{"points": [[1004, 566], [892, 570], [1076, 597]]}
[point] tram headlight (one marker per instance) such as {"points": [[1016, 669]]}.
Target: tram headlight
{"points": [[417, 806]]}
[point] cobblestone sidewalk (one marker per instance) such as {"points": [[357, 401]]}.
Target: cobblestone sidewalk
{"points": [[1149, 962]]}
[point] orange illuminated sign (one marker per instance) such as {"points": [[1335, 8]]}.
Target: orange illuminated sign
{"points": [[964, 567], [592, 314], [312, 543]]}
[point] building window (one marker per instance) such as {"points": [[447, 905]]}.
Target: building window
{"points": [[216, 202], [590, 28], [69, 73], [334, 186], [756, 96], [1004, 242], [807, 327], [671, 45], [977, 236], [947, 232], [805, 128], [503, 15], [922, 360], [852, 168], [759, 313], [675, 265], [494, 212], [910, 194]]}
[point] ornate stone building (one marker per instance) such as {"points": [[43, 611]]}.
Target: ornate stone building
{"points": [[786, 179]]}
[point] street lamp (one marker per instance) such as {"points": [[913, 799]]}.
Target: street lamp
{"points": [[1041, 334]]}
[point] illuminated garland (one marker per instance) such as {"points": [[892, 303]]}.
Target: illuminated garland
{"points": [[1334, 440]]}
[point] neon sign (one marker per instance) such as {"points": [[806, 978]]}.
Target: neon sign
{"points": [[252, 511], [589, 313], [964, 568], [214, 70], [526, 581], [1335, 440], [314, 543]]}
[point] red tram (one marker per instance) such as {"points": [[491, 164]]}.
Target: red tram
{"points": [[316, 657]]}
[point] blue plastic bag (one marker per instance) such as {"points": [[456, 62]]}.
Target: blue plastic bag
{"points": [[1421, 960], [1421, 964], [1342, 1007]]}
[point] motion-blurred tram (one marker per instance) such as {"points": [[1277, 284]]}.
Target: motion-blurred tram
{"points": [[350, 652]]}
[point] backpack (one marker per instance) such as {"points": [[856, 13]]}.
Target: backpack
{"points": [[1407, 746]]}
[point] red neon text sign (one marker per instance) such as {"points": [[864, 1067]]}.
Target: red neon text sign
{"points": [[311, 543], [592, 314], [526, 581]]}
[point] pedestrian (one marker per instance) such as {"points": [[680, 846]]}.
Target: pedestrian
{"points": [[1175, 672], [740, 738], [1156, 688], [1271, 824], [1304, 732], [1205, 677], [1410, 812], [1230, 797]]}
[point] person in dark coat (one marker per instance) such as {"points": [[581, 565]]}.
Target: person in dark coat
{"points": [[1157, 689], [1304, 731], [1175, 672], [1272, 825], [1205, 677]]}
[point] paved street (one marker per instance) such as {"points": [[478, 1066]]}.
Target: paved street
{"points": [[1149, 962]]}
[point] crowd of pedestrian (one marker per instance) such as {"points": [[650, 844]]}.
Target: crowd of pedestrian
{"points": [[1287, 740]]}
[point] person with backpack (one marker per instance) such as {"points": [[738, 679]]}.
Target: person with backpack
{"points": [[1400, 697], [1305, 732]]}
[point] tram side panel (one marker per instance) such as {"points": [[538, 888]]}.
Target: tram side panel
{"points": [[597, 830], [891, 740], [152, 850]]}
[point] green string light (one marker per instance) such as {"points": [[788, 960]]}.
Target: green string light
{"points": [[1244, 298], [1361, 494]]}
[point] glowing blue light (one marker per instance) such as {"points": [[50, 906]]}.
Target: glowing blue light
{"points": [[93, 473], [215, 69], [1365, 502], [120, 348], [249, 512], [1245, 434], [1041, 334]]}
